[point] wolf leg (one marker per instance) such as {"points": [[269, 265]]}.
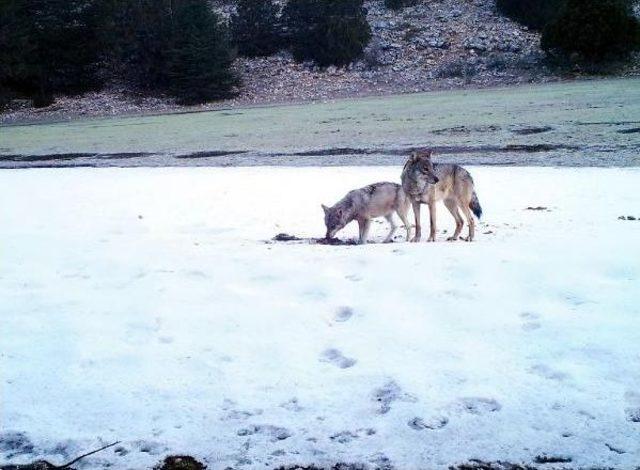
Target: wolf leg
{"points": [[432, 220], [363, 225], [392, 228], [470, 221], [452, 205], [402, 213], [416, 213]]}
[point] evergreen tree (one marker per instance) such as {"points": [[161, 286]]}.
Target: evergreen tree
{"points": [[532, 13], [330, 32], [255, 28], [48, 46], [594, 29], [398, 4], [200, 58]]}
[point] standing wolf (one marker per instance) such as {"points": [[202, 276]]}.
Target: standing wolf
{"points": [[427, 182], [364, 204]]}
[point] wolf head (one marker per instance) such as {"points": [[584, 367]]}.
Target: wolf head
{"points": [[335, 218], [420, 162]]}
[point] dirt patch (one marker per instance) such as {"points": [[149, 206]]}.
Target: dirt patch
{"points": [[180, 462], [475, 464], [634, 130], [285, 237], [544, 458], [532, 130], [212, 153], [71, 156]]}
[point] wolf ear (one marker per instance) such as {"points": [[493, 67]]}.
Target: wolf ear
{"points": [[414, 156], [324, 208]]}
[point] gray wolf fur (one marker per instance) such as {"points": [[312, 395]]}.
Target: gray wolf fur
{"points": [[425, 182], [364, 204]]}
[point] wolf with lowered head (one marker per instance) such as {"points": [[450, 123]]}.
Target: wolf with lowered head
{"points": [[425, 182], [364, 204]]}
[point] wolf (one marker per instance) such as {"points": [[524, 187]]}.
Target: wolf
{"points": [[426, 182], [364, 204]]}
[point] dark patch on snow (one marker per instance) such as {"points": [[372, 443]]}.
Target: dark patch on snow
{"points": [[633, 130], [479, 405], [633, 414], [537, 208], [212, 153], [335, 357], [532, 130], [628, 217], [345, 437], [615, 449], [15, 443], [337, 466], [71, 156], [545, 458], [387, 394], [275, 433], [342, 151], [465, 129], [180, 462], [285, 237], [475, 464], [419, 424], [343, 314]]}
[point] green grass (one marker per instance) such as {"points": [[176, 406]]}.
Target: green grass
{"points": [[585, 115]]}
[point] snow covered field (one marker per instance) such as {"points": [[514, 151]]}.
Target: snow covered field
{"points": [[143, 305]]}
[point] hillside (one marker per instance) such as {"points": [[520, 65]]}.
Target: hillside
{"points": [[439, 44]]}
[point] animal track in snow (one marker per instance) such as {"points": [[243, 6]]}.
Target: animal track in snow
{"points": [[291, 405], [547, 372], [345, 437], [632, 411], [149, 447], [274, 433], [436, 422], [15, 443], [388, 393], [335, 357], [479, 405], [343, 314]]}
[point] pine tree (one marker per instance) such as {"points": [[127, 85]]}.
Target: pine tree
{"points": [[255, 28], [330, 32], [594, 29], [532, 13], [48, 46], [201, 57]]}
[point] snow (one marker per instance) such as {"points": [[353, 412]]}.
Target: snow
{"points": [[144, 305]]}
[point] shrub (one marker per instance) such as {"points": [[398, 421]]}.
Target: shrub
{"points": [[255, 28], [532, 13], [594, 29], [137, 42], [330, 32], [48, 46], [201, 57], [398, 4]]}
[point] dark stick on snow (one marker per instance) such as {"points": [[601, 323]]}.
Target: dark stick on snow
{"points": [[68, 464]]}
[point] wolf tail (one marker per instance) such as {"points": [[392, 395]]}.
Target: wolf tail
{"points": [[474, 205]]}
